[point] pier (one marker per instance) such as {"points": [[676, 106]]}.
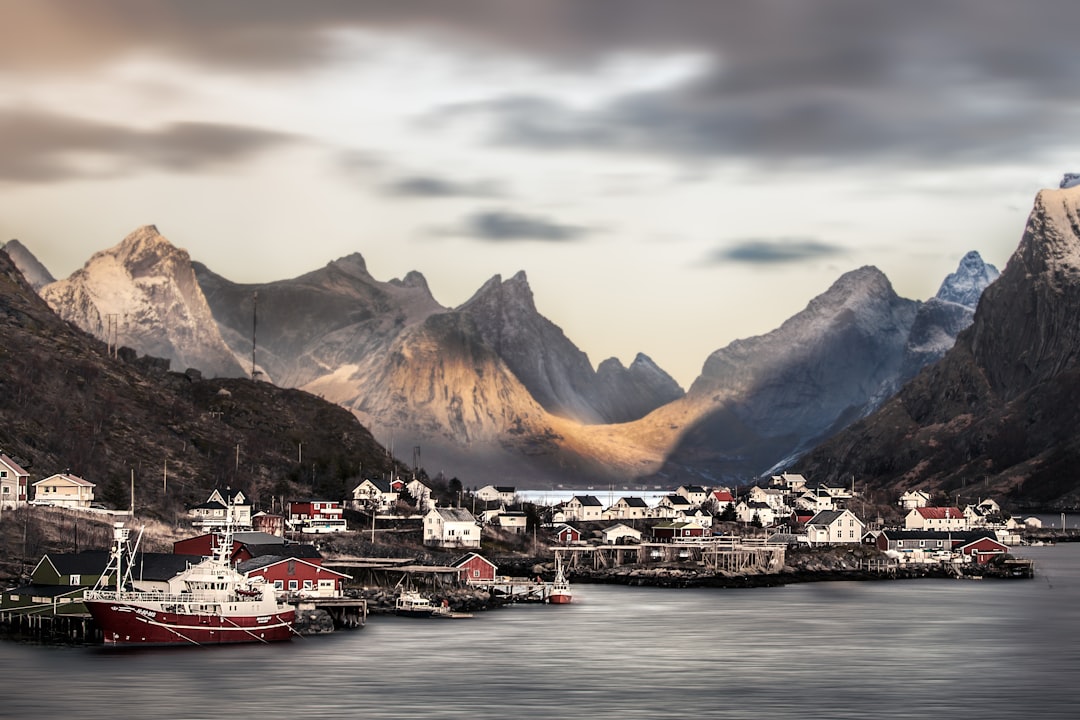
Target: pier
{"points": [[726, 554]]}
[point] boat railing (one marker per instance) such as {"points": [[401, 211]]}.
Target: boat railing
{"points": [[133, 595]]}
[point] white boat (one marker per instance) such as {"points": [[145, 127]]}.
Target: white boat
{"points": [[209, 603], [410, 603]]}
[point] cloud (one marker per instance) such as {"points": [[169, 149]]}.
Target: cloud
{"points": [[919, 82], [775, 251], [429, 186], [505, 225], [42, 147]]}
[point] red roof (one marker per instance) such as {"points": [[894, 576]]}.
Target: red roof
{"points": [[723, 496], [940, 513]]}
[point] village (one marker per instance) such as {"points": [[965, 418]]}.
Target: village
{"points": [[308, 551]]}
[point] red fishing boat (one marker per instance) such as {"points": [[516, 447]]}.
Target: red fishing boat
{"points": [[209, 603], [560, 588]]}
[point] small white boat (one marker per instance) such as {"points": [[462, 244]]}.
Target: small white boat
{"points": [[410, 603]]}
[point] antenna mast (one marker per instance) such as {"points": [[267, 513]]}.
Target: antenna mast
{"points": [[254, 322]]}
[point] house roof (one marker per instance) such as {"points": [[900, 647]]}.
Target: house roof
{"points": [[505, 489], [466, 558], [676, 499], [12, 466], [723, 496], [454, 514], [589, 500], [88, 562], [634, 502], [954, 535], [621, 527], [379, 484], [265, 561], [563, 527], [291, 550], [693, 489], [939, 513], [70, 479], [827, 517]]}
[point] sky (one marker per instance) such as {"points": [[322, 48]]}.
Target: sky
{"points": [[671, 176]]}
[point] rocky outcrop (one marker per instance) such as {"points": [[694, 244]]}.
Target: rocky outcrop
{"points": [[143, 293], [35, 273]]}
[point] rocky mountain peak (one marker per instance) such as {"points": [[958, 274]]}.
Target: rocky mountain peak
{"points": [[352, 264], [35, 273], [966, 285], [513, 296]]}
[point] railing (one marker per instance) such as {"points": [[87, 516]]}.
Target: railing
{"points": [[125, 595]]}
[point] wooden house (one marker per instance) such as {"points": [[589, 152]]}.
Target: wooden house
{"points": [[296, 576], [314, 515], [832, 527], [374, 493], [583, 508], [451, 527], [215, 511], [504, 494], [678, 530], [64, 490], [627, 508], [14, 484], [476, 568], [566, 534], [935, 518], [619, 534]]}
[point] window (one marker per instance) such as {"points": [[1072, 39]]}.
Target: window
{"points": [[308, 585], [476, 573], [75, 580], [279, 584], [294, 584]]}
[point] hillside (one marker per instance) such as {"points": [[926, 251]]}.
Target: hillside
{"points": [[66, 405]]}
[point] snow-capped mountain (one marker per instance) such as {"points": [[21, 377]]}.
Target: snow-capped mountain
{"points": [[943, 317], [35, 273], [143, 294], [1001, 405]]}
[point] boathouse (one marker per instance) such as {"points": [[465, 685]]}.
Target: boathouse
{"points": [[296, 576], [476, 568]]}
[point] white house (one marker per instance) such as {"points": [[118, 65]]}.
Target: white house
{"points": [[512, 521], [935, 518], [583, 508], [830, 527], [627, 508], [749, 511], [496, 493], [620, 533], [914, 499], [451, 527], [214, 512], [374, 493], [794, 482], [64, 490], [422, 494], [694, 493], [13, 484]]}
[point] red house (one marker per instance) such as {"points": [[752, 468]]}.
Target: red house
{"points": [[566, 534], [248, 545], [983, 550], [475, 568], [296, 576], [666, 532], [315, 516]]}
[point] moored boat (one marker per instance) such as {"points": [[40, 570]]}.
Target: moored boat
{"points": [[412, 604], [560, 589], [208, 603]]}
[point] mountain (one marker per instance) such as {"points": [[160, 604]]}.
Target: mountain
{"points": [[558, 374], [143, 293], [763, 399], [67, 403], [1000, 410], [35, 273], [942, 318], [313, 325]]}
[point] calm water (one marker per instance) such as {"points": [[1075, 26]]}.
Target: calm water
{"points": [[915, 649]]}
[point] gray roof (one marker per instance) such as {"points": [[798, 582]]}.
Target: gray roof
{"points": [[590, 500], [455, 514]]}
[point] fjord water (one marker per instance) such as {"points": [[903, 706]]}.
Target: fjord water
{"points": [[905, 649]]}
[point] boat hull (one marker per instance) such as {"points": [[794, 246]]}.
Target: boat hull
{"points": [[132, 624], [559, 598]]}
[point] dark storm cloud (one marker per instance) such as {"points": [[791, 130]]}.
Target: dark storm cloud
{"points": [[39, 147], [428, 186], [920, 82], [505, 225], [775, 251]]}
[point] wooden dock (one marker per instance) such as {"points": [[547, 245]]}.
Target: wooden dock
{"points": [[723, 553]]}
